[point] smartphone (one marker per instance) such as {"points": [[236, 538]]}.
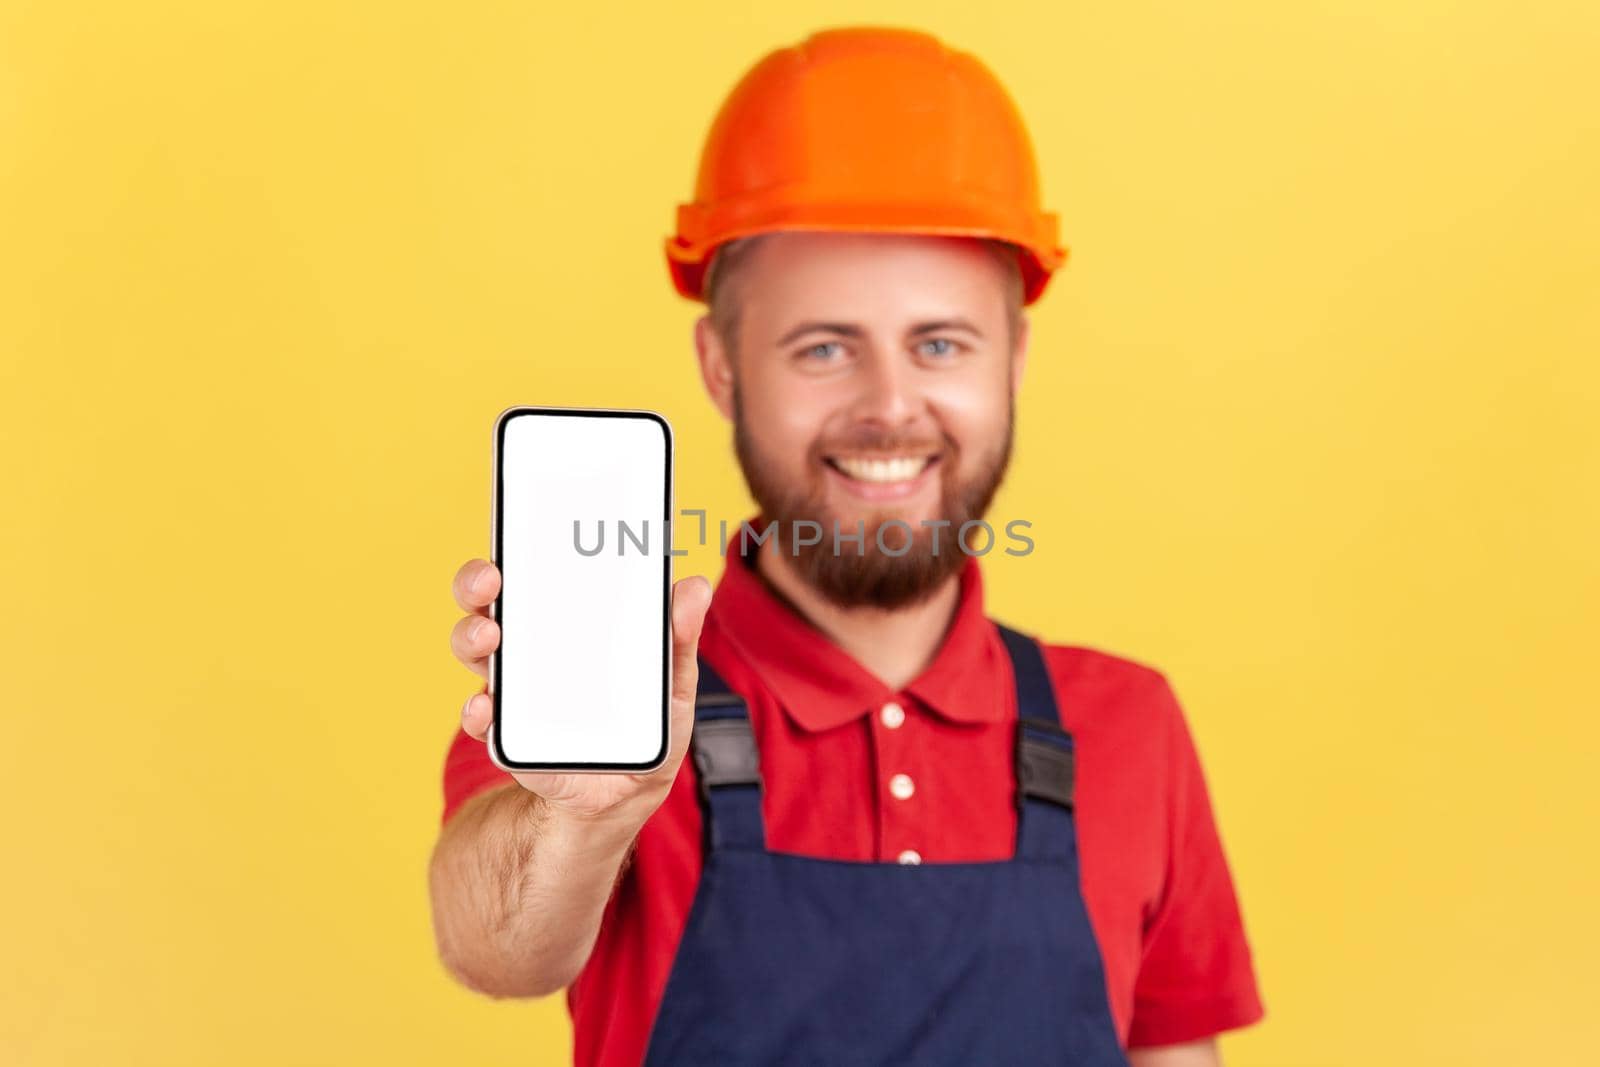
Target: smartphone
{"points": [[581, 535]]}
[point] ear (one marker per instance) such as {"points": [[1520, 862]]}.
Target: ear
{"points": [[716, 367], [1019, 353]]}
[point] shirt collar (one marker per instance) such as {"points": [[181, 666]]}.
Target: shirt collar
{"points": [[820, 686]]}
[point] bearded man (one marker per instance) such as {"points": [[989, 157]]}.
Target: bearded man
{"points": [[910, 834]]}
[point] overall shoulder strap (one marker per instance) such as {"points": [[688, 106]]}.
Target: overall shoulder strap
{"points": [[1046, 767], [1036, 697], [727, 764]]}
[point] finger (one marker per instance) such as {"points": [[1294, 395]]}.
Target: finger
{"points": [[476, 715], [690, 599], [472, 639], [476, 585]]}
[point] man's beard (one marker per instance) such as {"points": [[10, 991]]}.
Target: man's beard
{"points": [[852, 573]]}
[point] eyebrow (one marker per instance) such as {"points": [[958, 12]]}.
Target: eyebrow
{"points": [[846, 329]]}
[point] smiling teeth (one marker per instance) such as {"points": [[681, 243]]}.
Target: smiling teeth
{"points": [[882, 470]]}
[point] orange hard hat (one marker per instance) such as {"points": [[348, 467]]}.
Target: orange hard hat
{"points": [[867, 129]]}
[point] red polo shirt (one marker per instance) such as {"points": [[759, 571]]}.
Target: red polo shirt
{"points": [[832, 736]]}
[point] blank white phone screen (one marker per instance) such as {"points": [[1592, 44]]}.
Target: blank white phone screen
{"points": [[583, 503]]}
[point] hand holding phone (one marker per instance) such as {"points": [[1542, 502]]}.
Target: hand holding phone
{"points": [[587, 670], [628, 798]]}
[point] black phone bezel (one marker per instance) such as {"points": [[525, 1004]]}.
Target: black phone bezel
{"points": [[497, 608]]}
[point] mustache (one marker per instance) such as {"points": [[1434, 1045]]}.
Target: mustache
{"points": [[873, 439]]}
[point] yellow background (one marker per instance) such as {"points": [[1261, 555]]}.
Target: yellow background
{"points": [[1309, 425]]}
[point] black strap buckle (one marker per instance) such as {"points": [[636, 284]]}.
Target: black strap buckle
{"points": [[725, 753], [1046, 767]]}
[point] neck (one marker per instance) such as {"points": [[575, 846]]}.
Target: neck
{"points": [[895, 644]]}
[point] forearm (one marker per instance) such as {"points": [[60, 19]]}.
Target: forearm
{"points": [[518, 892]]}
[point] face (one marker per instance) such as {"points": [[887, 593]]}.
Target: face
{"points": [[871, 380]]}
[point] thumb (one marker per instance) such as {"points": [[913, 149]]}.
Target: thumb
{"points": [[690, 599]]}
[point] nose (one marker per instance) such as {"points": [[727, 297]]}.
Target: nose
{"points": [[889, 394]]}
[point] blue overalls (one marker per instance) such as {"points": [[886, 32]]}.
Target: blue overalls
{"points": [[788, 959]]}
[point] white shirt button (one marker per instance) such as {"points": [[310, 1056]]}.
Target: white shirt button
{"points": [[892, 715], [910, 855], [901, 786]]}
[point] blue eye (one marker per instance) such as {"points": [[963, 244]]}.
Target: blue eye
{"points": [[948, 349], [822, 350]]}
